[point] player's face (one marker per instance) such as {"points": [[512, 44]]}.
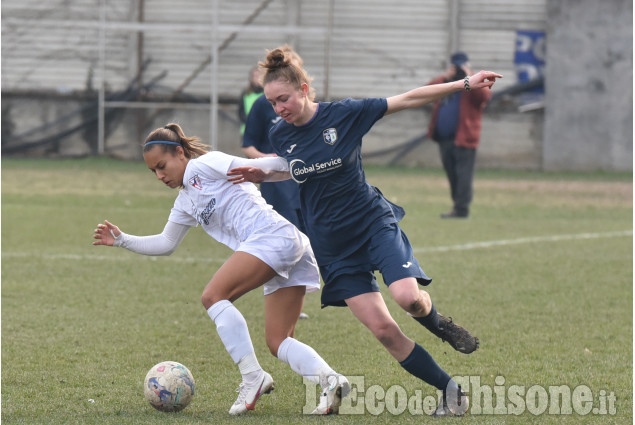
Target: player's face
{"points": [[167, 166], [287, 101]]}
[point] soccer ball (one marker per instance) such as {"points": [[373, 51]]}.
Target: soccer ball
{"points": [[169, 386]]}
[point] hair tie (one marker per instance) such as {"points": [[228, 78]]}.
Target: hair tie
{"points": [[162, 142]]}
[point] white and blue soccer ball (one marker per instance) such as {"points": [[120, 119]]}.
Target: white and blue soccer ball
{"points": [[169, 386]]}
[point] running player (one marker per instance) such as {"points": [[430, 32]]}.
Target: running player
{"points": [[352, 227], [269, 251]]}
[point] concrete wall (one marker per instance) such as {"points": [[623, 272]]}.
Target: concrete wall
{"points": [[125, 129], [587, 124], [510, 140], [589, 85]]}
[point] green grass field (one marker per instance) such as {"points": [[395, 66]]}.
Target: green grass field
{"points": [[542, 272]]}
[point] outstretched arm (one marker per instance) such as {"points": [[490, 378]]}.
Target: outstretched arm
{"points": [[162, 244], [266, 169], [427, 94]]}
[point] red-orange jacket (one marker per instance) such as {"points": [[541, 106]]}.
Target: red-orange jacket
{"points": [[471, 106]]}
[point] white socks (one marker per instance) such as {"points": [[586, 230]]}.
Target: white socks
{"points": [[304, 360], [232, 330]]}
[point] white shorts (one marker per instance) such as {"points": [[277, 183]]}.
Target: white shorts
{"points": [[288, 252]]}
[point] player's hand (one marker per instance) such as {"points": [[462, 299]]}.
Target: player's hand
{"points": [[106, 234], [246, 174], [483, 79]]}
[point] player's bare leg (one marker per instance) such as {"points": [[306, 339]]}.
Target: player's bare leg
{"points": [[241, 273], [282, 309]]}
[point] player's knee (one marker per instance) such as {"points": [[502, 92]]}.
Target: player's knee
{"points": [[418, 304], [387, 332], [416, 307]]}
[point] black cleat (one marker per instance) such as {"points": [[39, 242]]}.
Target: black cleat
{"points": [[457, 336]]}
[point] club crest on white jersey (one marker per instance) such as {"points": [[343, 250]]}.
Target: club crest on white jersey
{"points": [[330, 136], [195, 182]]}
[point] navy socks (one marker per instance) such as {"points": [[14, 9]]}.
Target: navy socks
{"points": [[431, 321], [421, 364]]}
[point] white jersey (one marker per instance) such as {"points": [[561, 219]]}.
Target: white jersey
{"points": [[238, 216], [228, 212]]}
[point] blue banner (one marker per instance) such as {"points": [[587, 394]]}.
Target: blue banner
{"points": [[529, 58]]}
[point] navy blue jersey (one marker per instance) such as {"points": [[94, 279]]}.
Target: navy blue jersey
{"points": [[259, 121], [283, 196], [340, 209]]}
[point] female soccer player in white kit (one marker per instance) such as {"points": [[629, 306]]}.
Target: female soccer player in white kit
{"points": [[268, 250]]}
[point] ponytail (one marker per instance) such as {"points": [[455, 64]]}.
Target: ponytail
{"points": [[284, 63], [171, 136]]}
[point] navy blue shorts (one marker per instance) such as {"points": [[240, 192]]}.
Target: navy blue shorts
{"points": [[388, 251]]}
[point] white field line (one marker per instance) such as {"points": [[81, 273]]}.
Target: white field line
{"points": [[460, 247], [91, 257], [519, 241]]}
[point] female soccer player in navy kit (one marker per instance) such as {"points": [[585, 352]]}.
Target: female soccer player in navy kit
{"points": [[269, 251], [352, 227], [283, 196]]}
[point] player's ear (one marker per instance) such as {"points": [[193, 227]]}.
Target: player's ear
{"points": [[304, 88]]}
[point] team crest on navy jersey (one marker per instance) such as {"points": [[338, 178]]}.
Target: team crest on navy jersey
{"points": [[195, 182], [330, 136]]}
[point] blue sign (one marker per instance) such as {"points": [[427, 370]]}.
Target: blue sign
{"points": [[529, 58]]}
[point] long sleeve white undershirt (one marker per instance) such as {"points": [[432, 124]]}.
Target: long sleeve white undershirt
{"points": [[173, 234], [266, 163], [276, 166], [164, 243]]}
